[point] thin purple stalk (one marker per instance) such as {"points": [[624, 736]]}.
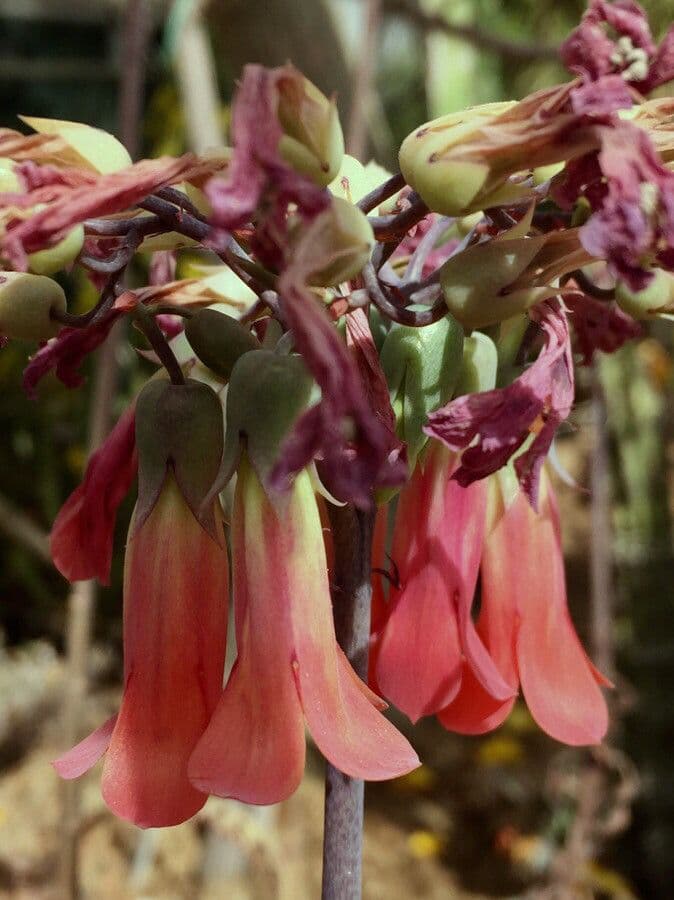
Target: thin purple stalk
{"points": [[343, 832]]}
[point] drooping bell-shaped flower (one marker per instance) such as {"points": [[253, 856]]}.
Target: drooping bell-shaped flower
{"points": [[429, 631], [175, 615], [525, 624], [289, 669], [82, 537]]}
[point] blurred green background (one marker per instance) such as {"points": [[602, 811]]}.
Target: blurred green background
{"points": [[508, 815]]}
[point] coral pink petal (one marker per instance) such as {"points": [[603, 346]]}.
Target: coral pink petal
{"points": [[419, 654], [345, 666], [86, 754], [474, 711], [254, 747], [558, 682], [350, 732], [175, 613]]}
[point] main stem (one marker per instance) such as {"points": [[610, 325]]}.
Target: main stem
{"points": [[343, 833]]}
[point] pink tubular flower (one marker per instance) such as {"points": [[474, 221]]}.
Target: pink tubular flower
{"points": [[82, 536], [175, 619], [429, 631], [525, 624], [289, 667]]}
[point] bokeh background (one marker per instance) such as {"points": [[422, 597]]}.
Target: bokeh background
{"points": [[512, 814]]}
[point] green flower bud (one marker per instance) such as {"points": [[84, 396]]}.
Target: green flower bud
{"points": [[56, 258], [475, 282], [178, 427], [422, 366], [218, 340], [336, 245], [655, 299], [312, 142], [452, 182], [92, 148], [9, 181], [26, 303]]}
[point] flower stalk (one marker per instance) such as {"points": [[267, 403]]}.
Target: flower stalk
{"points": [[352, 531]]}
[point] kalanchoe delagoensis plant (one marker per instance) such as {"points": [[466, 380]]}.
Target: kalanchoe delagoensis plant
{"points": [[407, 341]]}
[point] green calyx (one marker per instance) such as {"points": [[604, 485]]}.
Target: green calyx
{"points": [[422, 366], [179, 428], [218, 340], [267, 394], [478, 366], [27, 302]]}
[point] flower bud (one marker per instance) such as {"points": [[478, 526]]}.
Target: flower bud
{"points": [[340, 239], [312, 142], [475, 282], [450, 182], [26, 304], [421, 367], [92, 148], [218, 340], [9, 180], [54, 259], [656, 298], [179, 427]]}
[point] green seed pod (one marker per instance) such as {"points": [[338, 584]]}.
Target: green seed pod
{"points": [[312, 142], [656, 298], [56, 258], [422, 366], [218, 340], [26, 304]]}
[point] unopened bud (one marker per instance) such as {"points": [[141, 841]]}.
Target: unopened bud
{"points": [[26, 305], [336, 245], [475, 283], [218, 340], [478, 366], [450, 181], [655, 299], [312, 142], [83, 145], [54, 259]]}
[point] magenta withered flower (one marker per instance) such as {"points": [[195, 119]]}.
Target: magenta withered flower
{"points": [[81, 539], [525, 625], [65, 353], [615, 38], [289, 669], [429, 631], [258, 176], [175, 613], [599, 325], [491, 426]]}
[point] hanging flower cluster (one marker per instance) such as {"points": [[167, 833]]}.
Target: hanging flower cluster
{"points": [[406, 342]]}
